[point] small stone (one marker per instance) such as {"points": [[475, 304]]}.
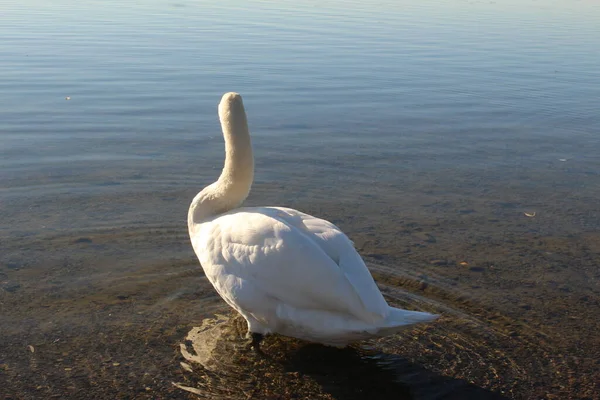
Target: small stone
{"points": [[425, 237], [13, 265], [10, 287], [438, 262]]}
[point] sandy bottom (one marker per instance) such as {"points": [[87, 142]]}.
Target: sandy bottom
{"points": [[104, 310]]}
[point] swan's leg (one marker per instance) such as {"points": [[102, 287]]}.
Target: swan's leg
{"points": [[256, 332], [248, 297], [256, 339]]}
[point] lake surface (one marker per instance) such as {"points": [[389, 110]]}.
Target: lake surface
{"points": [[456, 142]]}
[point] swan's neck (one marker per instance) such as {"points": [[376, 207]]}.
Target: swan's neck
{"points": [[233, 186]]}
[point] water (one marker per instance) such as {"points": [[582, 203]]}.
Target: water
{"points": [[425, 130]]}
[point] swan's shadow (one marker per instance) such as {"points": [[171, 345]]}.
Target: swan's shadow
{"points": [[296, 369], [353, 373]]}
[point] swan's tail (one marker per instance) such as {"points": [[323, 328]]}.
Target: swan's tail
{"points": [[336, 329], [399, 319]]}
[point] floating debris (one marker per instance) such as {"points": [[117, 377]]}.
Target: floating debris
{"points": [[530, 215], [68, 98], [31, 349], [562, 159], [463, 263]]}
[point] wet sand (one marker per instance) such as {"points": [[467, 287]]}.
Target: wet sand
{"points": [[102, 312]]}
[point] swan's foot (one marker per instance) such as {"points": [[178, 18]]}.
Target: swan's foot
{"points": [[255, 342]]}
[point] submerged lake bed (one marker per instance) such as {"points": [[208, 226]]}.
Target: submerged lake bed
{"points": [[456, 143]]}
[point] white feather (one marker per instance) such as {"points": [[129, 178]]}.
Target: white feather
{"points": [[283, 270]]}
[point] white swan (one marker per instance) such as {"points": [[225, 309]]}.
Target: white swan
{"points": [[284, 271]]}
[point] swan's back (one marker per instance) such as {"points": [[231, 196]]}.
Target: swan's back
{"points": [[293, 257]]}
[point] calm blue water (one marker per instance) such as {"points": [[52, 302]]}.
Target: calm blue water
{"points": [[477, 110], [462, 82]]}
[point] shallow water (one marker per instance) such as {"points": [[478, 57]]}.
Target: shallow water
{"points": [[425, 130]]}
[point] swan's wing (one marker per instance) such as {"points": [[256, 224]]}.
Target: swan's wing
{"points": [[341, 250], [274, 252]]}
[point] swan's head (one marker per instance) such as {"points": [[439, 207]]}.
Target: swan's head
{"points": [[231, 107]]}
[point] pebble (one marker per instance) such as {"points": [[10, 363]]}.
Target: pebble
{"points": [[438, 262], [10, 287], [425, 237]]}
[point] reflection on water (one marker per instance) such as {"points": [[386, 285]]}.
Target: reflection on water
{"points": [[424, 129]]}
